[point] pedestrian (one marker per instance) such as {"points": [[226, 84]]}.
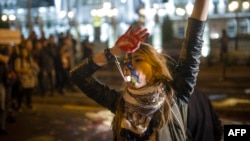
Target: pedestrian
{"points": [[27, 71], [4, 58], [11, 78], [153, 103], [87, 48], [223, 52], [47, 67]]}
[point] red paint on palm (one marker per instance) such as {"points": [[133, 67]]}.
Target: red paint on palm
{"points": [[129, 43]]}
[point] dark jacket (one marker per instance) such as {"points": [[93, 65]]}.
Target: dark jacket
{"points": [[203, 122], [184, 81]]}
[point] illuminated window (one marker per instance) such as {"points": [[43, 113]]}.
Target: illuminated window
{"points": [[244, 26], [232, 28]]}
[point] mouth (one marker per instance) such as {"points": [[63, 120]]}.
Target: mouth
{"points": [[130, 80]]}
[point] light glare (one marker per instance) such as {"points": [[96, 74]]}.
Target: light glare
{"points": [[4, 17]]}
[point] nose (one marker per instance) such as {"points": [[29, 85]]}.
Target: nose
{"points": [[126, 73]]}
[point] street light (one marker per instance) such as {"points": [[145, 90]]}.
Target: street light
{"points": [[245, 5], [4, 18], [180, 11], [233, 6]]}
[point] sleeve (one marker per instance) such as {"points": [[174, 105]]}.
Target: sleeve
{"points": [[81, 75], [187, 69]]}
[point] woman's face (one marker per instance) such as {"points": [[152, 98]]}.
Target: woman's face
{"points": [[137, 67]]}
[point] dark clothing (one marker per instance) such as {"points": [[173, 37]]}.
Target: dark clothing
{"points": [[87, 50], [27, 94], [48, 55], [184, 81], [47, 64], [3, 93], [224, 43], [3, 51], [224, 53], [203, 123]]}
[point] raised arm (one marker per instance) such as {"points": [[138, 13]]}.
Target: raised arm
{"points": [[127, 43], [200, 10], [185, 75], [81, 74]]}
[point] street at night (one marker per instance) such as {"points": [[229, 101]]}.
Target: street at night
{"points": [[42, 41], [74, 117]]}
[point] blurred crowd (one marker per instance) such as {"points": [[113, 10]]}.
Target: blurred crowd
{"points": [[36, 66]]}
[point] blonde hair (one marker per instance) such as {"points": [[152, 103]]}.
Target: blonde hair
{"points": [[161, 75]]}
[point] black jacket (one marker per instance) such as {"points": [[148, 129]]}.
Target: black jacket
{"points": [[203, 122], [185, 75]]}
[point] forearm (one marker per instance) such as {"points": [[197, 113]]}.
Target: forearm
{"points": [[129, 42], [81, 75], [200, 10], [84, 69], [186, 73], [101, 59]]}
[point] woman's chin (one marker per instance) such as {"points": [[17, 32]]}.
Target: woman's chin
{"points": [[131, 85]]}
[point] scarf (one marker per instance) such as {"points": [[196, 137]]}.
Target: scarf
{"points": [[139, 107]]}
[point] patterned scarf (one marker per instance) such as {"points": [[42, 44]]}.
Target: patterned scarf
{"points": [[140, 105]]}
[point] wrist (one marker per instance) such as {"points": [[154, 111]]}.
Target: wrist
{"points": [[110, 57], [116, 52]]}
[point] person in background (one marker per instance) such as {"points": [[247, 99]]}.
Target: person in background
{"points": [[47, 67], [223, 52], [4, 58], [27, 71], [87, 48], [66, 61], [37, 55], [153, 104]]}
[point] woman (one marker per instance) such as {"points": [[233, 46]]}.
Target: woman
{"points": [[27, 70], [153, 105]]}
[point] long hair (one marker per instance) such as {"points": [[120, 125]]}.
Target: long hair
{"points": [[161, 74]]}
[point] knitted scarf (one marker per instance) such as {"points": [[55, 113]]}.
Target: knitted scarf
{"points": [[140, 105]]}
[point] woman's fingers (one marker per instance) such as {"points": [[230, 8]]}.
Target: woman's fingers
{"points": [[128, 43], [130, 40], [137, 30], [145, 36], [141, 33]]}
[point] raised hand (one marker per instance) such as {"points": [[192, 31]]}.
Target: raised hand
{"points": [[130, 41]]}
